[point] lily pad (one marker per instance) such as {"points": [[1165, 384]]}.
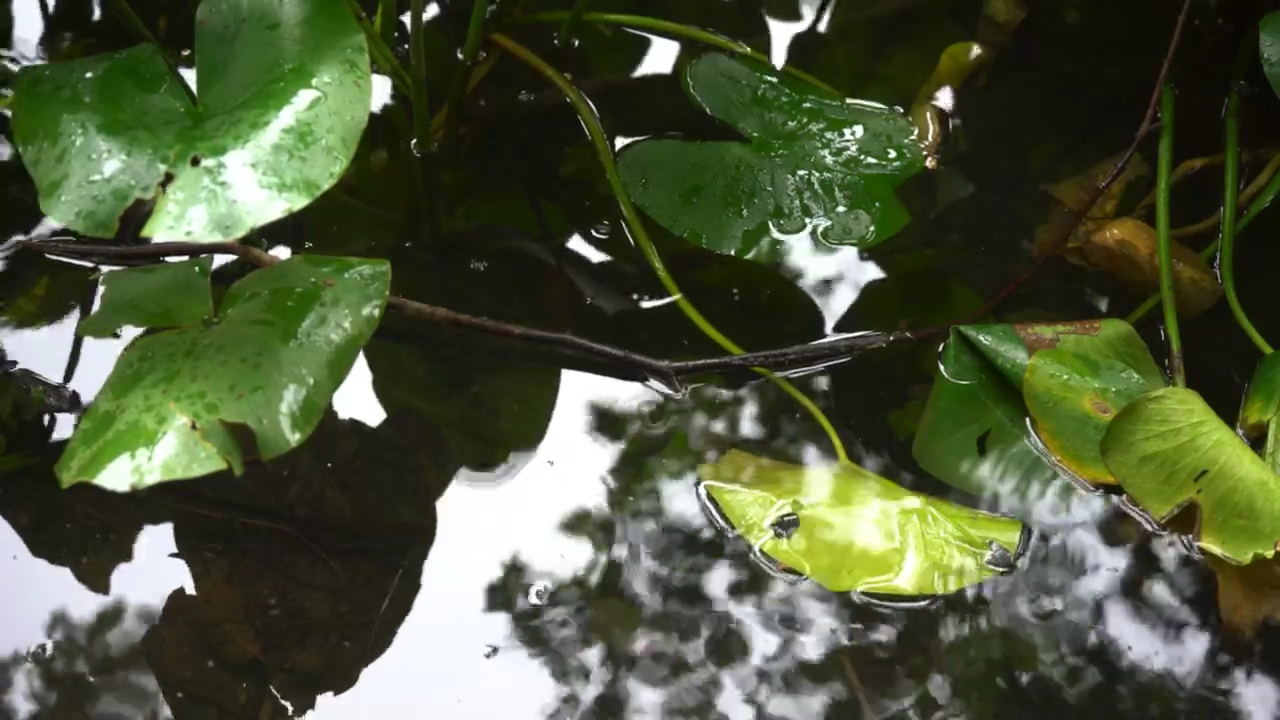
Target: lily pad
{"points": [[974, 434], [1269, 48], [152, 296], [285, 339], [1168, 449], [284, 93], [847, 528], [1074, 391], [811, 162]]}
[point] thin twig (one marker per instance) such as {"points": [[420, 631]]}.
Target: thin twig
{"points": [[1063, 236], [855, 687], [627, 365]]}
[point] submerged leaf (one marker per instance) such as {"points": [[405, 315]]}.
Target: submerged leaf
{"points": [[847, 528], [286, 337], [152, 296], [1248, 595], [284, 93], [1168, 449], [812, 162], [1127, 249]]}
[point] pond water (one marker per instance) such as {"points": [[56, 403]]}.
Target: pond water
{"points": [[475, 532]]}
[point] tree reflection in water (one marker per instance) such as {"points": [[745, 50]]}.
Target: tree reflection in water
{"points": [[671, 620]]}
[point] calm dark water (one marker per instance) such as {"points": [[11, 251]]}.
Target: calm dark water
{"points": [[476, 533]]}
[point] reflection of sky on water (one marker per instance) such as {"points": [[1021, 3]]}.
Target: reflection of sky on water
{"points": [[1068, 598]]}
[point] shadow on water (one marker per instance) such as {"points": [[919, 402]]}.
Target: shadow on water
{"points": [[475, 532]]}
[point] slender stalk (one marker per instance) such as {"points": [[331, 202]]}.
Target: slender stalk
{"points": [[422, 116], [1230, 194], [1260, 203], [470, 51], [418, 76], [387, 11], [1164, 172], [600, 141], [136, 26], [570, 26], [673, 30], [381, 52]]}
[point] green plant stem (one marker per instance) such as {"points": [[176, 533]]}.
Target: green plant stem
{"points": [[136, 26], [422, 116], [674, 30], [381, 52], [1260, 203], [570, 26], [387, 22], [1164, 184], [470, 51], [1230, 197], [634, 225]]}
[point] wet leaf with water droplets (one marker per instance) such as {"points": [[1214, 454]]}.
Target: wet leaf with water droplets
{"points": [[812, 161], [152, 296], [847, 528], [100, 133], [285, 339]]}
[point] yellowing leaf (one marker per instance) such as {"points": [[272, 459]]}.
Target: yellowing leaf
{"points": [[1168, 449], [1126, 249], [847, 528]]}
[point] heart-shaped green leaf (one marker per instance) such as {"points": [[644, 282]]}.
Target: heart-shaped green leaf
{"points": [[847, 528], [152, 296], [973, 431], [812, 162], [1168, 449], [284, 93], [285, 339]]}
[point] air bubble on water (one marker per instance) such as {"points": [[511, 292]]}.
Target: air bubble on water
{"points": [[601, 230], [416, 148], [538, 592], [525, 96]]}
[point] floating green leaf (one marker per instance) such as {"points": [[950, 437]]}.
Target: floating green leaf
{"points": [[285, 338], [973, 431], [847, 528], [1073, 391], [1260, 408], [974, 434], [1269, 48], [812, 161], [284, 92], [1168, 449], [153, 296]]}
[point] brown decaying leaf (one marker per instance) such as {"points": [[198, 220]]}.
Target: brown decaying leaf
{"points": [[1126, 248], [1247, 594]]}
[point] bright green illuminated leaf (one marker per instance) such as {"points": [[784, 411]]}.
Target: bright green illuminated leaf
{"points": [[152, 296]]}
